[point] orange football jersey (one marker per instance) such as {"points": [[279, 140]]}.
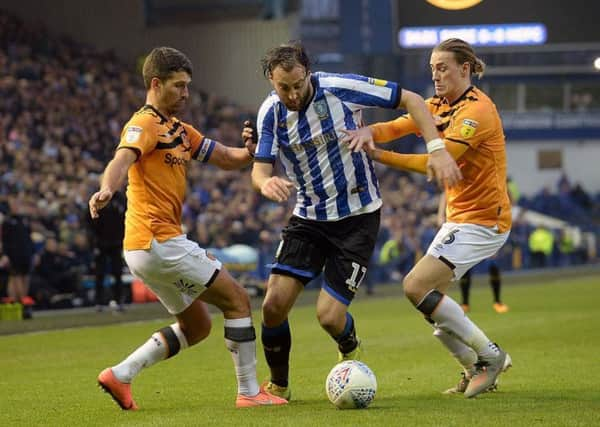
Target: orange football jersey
{"points": [[481, 197], [157, 180]]}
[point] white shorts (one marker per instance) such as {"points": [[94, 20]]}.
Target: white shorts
{"points": [[177, 270], [461, 246]]}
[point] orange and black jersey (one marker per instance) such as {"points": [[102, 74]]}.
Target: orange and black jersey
{"points": [[481, 197], [157, 180]]}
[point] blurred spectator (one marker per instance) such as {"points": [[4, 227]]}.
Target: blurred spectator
{"points": [[108, 231], [54, 282], [541, 245], [18, 249]]}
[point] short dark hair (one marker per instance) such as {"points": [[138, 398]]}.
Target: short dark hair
{"points": [[287, 56], [162, 61]]}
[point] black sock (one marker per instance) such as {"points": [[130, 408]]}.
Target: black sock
{"points": [[465, 287], [347, 341], [277, 343], [495, 282]]}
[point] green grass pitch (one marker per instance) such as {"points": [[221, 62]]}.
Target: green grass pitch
{"points": [[551, 332]]}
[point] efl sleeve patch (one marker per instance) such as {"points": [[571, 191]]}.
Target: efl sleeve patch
{"points": [[468, 128], [132, 134]]}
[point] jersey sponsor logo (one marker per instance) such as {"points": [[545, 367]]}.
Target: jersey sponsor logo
{"points": [[377, 82], [132, 134], [321, 109], [172, 160], [468, 128]]}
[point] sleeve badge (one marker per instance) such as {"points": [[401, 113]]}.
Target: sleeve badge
{"points": [[132, 134], [468, 128]]}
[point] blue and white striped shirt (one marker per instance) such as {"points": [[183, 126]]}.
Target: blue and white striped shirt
{"points": [[331, 182]]}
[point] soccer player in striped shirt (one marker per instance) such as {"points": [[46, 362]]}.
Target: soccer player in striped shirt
{"points": [[336, 218]]}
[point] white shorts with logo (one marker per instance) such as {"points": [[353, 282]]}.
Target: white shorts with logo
{"points": [[462, 246], [177, 270]]}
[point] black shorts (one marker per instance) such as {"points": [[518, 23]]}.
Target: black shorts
{"points": [[341, 249], [20, 264]]}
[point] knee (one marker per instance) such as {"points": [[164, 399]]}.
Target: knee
{"points": [[274, 312], [331, 320], [414, 288], [197, 332]]}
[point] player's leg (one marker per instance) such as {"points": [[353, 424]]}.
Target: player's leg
{"points": [[298, 260], [496, 283], [448, 257], [240, 337], [116, 267], [282, 292], [351, 244], [465, 290], [334, 317], [99, 273]]}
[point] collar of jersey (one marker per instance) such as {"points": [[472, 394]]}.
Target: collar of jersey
{"points": [[463, 96], [157, 112]]}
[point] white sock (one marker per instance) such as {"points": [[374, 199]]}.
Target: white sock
{"points": [[152, 351], [464, 354], [450, 318], [244, 358]]}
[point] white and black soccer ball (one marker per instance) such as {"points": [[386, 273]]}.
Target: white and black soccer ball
{"points": [[351, 385]]}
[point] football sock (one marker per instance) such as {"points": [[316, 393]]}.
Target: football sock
{"points": [[450, 318], [495, 282], [240, 339], [347, 341], [465, 287], [165, 343], [464, 354], [277, 343]]}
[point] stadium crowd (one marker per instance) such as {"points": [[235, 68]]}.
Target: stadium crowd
{"points": [[62, 107]]}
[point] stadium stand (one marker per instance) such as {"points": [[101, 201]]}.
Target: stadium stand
{"points": [[62, 105]]}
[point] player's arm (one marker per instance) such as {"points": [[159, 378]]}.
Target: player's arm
{"points": [[440, 164], [272, 187], [113, 179], [230, 158], [414, 162]]}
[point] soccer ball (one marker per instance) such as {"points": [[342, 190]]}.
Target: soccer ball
{"points": [[351, 384]]}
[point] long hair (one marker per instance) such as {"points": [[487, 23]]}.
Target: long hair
{"points": [[463, 52]]}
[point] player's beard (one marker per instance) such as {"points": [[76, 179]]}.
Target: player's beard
{"points": [[301, 105], [177, 107]]}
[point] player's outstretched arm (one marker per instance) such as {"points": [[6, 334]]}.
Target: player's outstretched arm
{"points": [[414, 162], [113, 179]]}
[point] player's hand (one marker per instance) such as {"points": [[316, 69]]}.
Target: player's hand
{"points": [[443, 168], [250, 137], [277, 189], [98, 201], [358, 139]]}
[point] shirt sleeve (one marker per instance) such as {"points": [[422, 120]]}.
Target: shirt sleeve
{"points": [[268, 146], [359, 92], [139, 134], [202, 147]]}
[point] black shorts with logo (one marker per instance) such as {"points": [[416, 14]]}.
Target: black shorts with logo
{"points": [[341, 249]]}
